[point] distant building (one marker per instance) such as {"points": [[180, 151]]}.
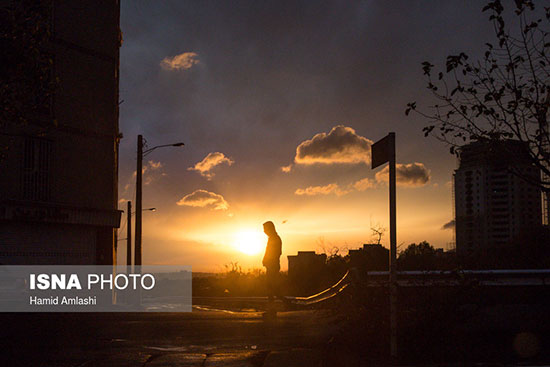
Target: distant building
{"points": [[305, 262], [494, 202], [371, 257], [58, 180], [306, 270]]}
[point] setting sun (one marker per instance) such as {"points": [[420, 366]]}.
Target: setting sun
{"points": [[250, 242]]}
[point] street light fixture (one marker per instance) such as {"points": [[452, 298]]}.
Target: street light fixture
{"points": [[146, 152], [140, 154], [147, 210]]}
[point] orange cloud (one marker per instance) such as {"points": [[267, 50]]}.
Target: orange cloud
{"points": [[155, 165], [204, 199], [364, 184], [321, 190], [340, 145], [209, 162], [148, 173], [333, 188], [286, 169], [183, 61], [408, 175]]}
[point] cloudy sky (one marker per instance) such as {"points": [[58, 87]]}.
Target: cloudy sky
{"points": [[278, 104]]}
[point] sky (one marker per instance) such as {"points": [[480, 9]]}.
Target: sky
{"points": [[277, 103]]}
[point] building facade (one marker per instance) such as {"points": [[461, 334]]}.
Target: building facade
{"points": [[305, 263], [306, 271], [494, 199], [58, 186], [371, 257]]}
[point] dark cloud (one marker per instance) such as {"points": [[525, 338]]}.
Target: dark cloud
{"points": [[409, 175], [203, 198], [449, 225], [340, 145]]}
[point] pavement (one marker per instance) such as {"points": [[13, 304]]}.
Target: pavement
{"points": [[204, 337], [219, 337], [290, 357]]}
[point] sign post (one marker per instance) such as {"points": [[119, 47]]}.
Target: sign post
{"points": [[384, 151]]}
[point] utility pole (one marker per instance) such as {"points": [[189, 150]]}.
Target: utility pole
{"points": [[139, 194], [139, 168], [129, 239]]}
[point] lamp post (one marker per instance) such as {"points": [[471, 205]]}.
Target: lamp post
{"points": [[129, 235], [129, 238], [140, 154]]}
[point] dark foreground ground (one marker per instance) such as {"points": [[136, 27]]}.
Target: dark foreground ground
{"points": [[470, 334], [200, 338]]}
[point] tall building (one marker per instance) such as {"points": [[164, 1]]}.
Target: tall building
{"points": [[494, 201], [59, 148]]}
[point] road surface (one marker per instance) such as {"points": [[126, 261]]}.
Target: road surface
{"points": [[204, 337]]}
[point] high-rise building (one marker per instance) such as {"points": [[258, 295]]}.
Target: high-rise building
{"points": [[59, 161], [495, 198]]}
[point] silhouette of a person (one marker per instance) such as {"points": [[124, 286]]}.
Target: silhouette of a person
{"points": [[271, 260]]}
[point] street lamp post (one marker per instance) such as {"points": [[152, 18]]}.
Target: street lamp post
{"points": [[140, 154], [129, 235], [129, 238]]}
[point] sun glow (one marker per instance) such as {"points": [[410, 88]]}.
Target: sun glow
{"points": [[250, 242]]}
